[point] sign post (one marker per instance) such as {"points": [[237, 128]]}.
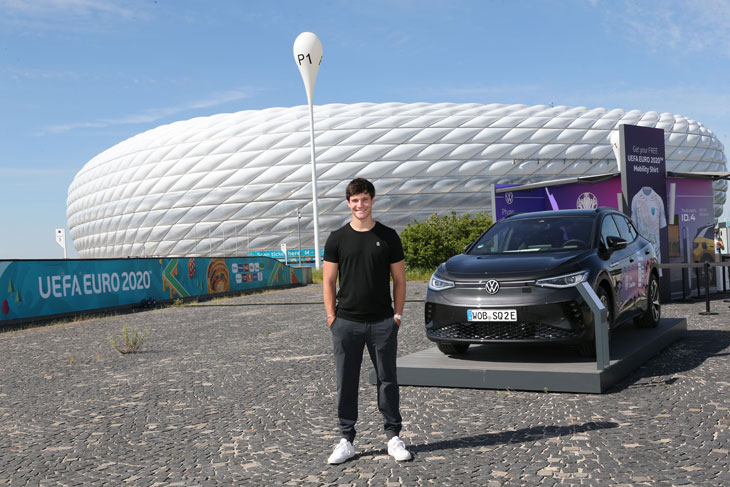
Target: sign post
{"points": [[308, 56], [283, 249], [61, 239]]}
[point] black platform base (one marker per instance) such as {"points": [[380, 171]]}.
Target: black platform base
{"points": [[537, 368]]}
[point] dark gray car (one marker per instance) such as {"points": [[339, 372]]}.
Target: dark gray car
{"points": [[517, 282]]}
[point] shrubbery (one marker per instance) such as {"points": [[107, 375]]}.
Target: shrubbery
{"points": [[427, 244]]}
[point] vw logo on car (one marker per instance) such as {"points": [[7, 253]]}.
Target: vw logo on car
{"points": [[492, 286]]}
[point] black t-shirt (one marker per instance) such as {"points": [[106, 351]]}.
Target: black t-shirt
{"points": [[363, 262]]}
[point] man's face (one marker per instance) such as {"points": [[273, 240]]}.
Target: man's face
{"points": [[361, 205]]}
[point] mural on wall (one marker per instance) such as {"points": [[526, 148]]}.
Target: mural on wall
{"points": [[43, 288], [217, 276]]}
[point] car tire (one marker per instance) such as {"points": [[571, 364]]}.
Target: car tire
{"points": [[650, 318], [588, 348], [453, 348]]}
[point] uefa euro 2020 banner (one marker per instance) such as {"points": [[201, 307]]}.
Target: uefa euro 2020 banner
{"points": [[38, 288]]}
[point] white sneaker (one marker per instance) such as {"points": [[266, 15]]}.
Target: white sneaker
{"points": [[397, 449], [343, 451]]}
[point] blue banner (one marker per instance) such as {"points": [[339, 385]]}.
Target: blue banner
{"points": [[30, 289]]}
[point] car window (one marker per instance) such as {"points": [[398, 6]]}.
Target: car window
{"points": [[710, 233], [623, 228], [547, 234], [632, 230], [608, 229]]}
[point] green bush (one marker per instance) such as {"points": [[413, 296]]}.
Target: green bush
{"points": [[427, 244]]}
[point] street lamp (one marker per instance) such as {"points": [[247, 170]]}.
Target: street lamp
{"points": [[299, 232], [308, 56]]}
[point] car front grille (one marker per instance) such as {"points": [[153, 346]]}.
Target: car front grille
{"points": [[502, 331]]}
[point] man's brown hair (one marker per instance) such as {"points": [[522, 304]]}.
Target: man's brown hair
{"points": [[359, 185]]}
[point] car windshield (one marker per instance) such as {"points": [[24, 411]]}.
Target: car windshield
{"points": [[547, 234]]}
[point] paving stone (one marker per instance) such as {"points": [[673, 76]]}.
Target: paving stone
{"points": [[241, 391]]}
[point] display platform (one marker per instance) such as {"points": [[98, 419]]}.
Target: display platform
{"points": [[537, 368]]}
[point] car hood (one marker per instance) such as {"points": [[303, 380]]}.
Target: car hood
{"points": [[512, 266]]}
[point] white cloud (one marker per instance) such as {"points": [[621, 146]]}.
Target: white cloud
{"points": [[64, 8], [32, 16], [154, 114], [677, 25], [33, 172], [24, 73]]}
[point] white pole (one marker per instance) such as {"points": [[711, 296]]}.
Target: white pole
{"points": [[61, 240], [315, 210], [308, 56], [299, 232]]}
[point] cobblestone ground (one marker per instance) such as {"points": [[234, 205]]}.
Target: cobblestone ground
{"points": [[240, 391]]}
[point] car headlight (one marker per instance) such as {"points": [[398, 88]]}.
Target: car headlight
{"points": [[438, 284], [567, 280]]}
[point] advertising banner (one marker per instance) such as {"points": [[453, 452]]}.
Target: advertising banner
{"points": [[586, 196], [643, 180], [695, 216], [30, 289], [292, 255], [525, 201]]}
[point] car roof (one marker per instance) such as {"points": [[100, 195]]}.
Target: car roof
{"points": [[561, 213]]}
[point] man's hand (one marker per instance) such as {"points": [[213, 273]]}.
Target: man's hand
{"points": [[330, 320]]}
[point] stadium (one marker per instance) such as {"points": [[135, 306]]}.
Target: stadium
{"points": [[233, 183]]}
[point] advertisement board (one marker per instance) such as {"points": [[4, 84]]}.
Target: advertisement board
{"points": [[586, 196], [524, 201], [292, 255], [30, 289], [644, 183]]}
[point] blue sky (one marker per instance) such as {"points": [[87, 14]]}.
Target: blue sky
{"points": [[78, 76]]}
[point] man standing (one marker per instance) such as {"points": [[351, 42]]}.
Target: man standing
{"points": [[365, 254]]}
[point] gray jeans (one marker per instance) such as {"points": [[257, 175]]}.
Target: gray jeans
{"points": [[349, 339]]}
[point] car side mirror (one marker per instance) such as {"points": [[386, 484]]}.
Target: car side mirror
{"points": [[615, 243]]}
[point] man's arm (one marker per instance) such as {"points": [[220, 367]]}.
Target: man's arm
{"points": [[398, 271], [329, 280]]}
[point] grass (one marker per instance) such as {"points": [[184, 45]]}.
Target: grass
{"points": [[130, 341]]}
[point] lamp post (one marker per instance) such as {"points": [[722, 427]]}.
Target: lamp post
{"points": [[299, 232], [308, 56]]}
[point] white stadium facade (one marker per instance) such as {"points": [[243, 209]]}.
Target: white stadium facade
{"points": [[230, 183]]}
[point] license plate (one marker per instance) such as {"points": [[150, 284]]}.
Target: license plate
{"points": [[491, 315]]}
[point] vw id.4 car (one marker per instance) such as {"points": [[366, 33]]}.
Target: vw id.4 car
{"points": [[517, 282]]}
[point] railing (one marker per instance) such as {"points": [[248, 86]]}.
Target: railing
{"points": [[697, 266]]}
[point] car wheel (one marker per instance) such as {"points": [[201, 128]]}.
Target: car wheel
{"points": [[650, 318], [452, 348], [588, 348]]}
